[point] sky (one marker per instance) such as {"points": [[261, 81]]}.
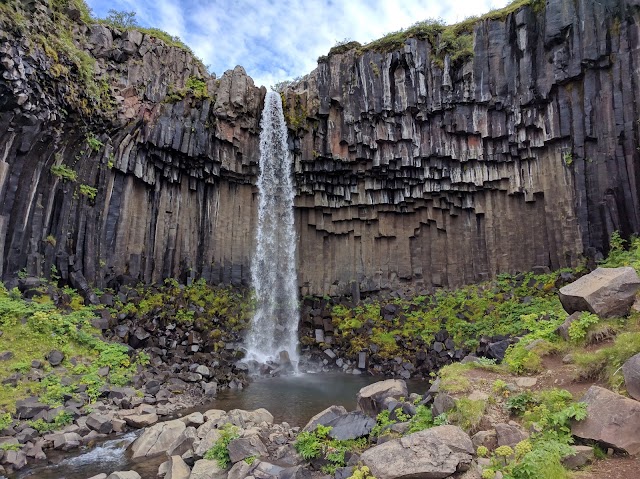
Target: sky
{"points": [[277, 40]]}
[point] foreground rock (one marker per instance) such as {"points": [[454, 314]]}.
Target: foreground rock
{"points": [[605, 291], [434, 453], [371, 398], [157, 439], [631, 373], [612, 419]]}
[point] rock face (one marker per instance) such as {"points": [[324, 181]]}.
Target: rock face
{"points": [[430, 454], [605, 292], [612, 419], [631, 373], [411, 170]]}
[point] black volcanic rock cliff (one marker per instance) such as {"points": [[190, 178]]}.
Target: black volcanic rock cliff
{"points": [[411, 170]]}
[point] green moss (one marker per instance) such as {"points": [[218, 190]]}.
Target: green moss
{"points": [[88, 191], [64, 172]]}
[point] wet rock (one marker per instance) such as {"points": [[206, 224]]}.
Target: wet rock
{"points": [[605, 291], [434, 453], [16, 460], [266, 470], [370, 398], [611, 419]]}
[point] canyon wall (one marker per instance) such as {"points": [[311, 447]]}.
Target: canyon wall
{"points": [[411, 172]]}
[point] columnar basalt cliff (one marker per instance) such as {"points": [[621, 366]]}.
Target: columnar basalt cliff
{"points": [[412, 170]]}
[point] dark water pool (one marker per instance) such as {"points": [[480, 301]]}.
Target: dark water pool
{"points": [[294, 399]]}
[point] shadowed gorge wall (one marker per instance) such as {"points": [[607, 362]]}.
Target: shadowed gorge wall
{"points": [[409, 173]]}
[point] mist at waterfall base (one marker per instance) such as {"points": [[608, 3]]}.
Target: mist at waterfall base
{"points": [[273, 336]]}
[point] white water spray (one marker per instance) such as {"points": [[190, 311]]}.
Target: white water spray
{"points": [[274, 326]]}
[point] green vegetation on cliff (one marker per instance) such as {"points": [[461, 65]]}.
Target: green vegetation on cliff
{"points": [[454, 40], [31, 329]]}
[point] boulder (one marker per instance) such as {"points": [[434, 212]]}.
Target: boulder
{"points": [[242, 418], [612, 419], [351, 426], [124, 475], [55, 357], [183, 443], [241, 469], [324, 417], [266, 470], [583, 455], [99, 476], [29, 408], [15, 459], [605, 291], [207, 442], [178, 469], [430, 454], [244, 447], [157, 439], [508, 435], [206, 469], [99, 423], [141, 420], [631, 373], [370, 398], [442, 403]]}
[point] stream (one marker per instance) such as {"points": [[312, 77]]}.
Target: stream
{"points": [[294, 399]]}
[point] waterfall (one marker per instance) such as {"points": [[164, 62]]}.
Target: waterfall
{"points": [[274, 326]]}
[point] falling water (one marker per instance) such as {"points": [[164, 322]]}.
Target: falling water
{"points": [[275, 323]]}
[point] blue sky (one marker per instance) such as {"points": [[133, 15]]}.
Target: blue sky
{"points": [[277, 40]]}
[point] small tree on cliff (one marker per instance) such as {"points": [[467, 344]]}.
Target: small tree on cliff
{"points": [[121, 19]]}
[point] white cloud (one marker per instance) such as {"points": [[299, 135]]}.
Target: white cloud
{"points": [[276, 40]]}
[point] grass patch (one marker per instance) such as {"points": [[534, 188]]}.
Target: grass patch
{"points": [[32, 328], [467, 414], [605, 363]]}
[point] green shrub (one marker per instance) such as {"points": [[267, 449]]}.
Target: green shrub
{"points": [[64, 172], [220, 450], [422, 419], [5, 420], [578, 328], [88, 191], [605, 363]]}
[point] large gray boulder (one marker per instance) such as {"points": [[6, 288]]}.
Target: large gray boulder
{"points": [[324, 417], [351, 426], [631, 373], [605, 291], [244, 447], [206, 469], [178, 469], [124, 475], [612, 419], [157, 439], [370, 398], [430, 454]]}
